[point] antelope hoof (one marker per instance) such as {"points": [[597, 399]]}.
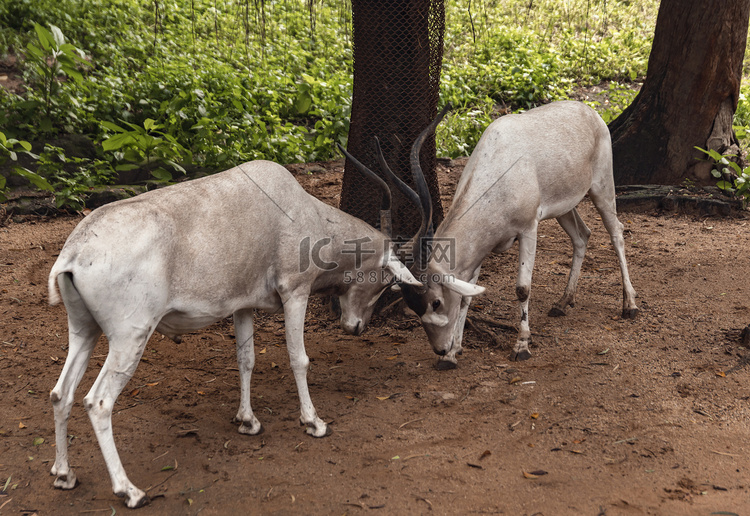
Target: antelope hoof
{"points": [[318, 429], [556, 311], [137, 503], [445, 365], [517, 356], [134, 497], [68, 481], [248, 426], [629, 313], [251, 430]]}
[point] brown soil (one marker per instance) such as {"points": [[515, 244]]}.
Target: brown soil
{"points": [[609, 416]]}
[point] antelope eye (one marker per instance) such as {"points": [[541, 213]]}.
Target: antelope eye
{"points": [[435, 304]]}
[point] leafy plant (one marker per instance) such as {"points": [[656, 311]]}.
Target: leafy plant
{"points": [[72, 178], [732, 177], [9, 149], [229, 85], [143, 146], [46, 63]]}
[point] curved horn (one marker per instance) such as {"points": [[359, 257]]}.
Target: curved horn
{"points": [[385, 200], [405, 189], [419, 242]]}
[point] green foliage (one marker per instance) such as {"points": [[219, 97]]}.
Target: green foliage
{"points": [[617, 97], [732, 177], [741, 122], [9, 149], [212, 83], [71, 178], [46, 61], [145, 146], [462, 128]]}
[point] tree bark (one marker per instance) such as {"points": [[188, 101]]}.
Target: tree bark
{"points": [[397, 57], [689, 96]]}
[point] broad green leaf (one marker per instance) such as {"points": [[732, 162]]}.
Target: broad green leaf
{"points": [[303, 103], [45, 37], [736, 167], [112, 127], [74, 74], [133, 155], [175, 165], [724, 185], [57, 34], [161, 174], [149, 124], [35, 51], [117, 141], [126, 166], [34, 179], [716, 173]]}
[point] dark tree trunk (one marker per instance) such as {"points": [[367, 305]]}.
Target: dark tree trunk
{"points": [[397, 57], [689, 96]]}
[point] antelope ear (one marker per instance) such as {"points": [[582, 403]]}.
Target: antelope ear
{"points": [[464, 288], [401, 272]]}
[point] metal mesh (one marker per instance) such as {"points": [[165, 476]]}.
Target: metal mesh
{"points": [[398, 50]]}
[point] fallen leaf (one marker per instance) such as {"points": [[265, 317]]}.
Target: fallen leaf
{"points": [[154, 384], [394, 357], [604, 352], [21, 425], [577, 452], [274, 365], [485, 453], [515, 379], [535, 415], [134, 392], [38, 441], [201, 393], [381, 398], [529, 475], [262, 351], [721, 373]]}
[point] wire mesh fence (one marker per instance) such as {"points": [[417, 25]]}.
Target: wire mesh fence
{"points": [[398, 48]]}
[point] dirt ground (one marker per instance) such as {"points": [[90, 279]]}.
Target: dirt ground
{"points": [[608, 417]]}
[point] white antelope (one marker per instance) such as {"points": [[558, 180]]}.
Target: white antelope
{"points": [[526, 168], [178, 259]]}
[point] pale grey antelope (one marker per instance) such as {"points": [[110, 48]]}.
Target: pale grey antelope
{"points": [[178, 259], [526, 168]]}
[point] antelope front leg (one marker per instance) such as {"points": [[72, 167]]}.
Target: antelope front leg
{"points": [[526, 255], [294, 321], [449, 361], [243, 327]]}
